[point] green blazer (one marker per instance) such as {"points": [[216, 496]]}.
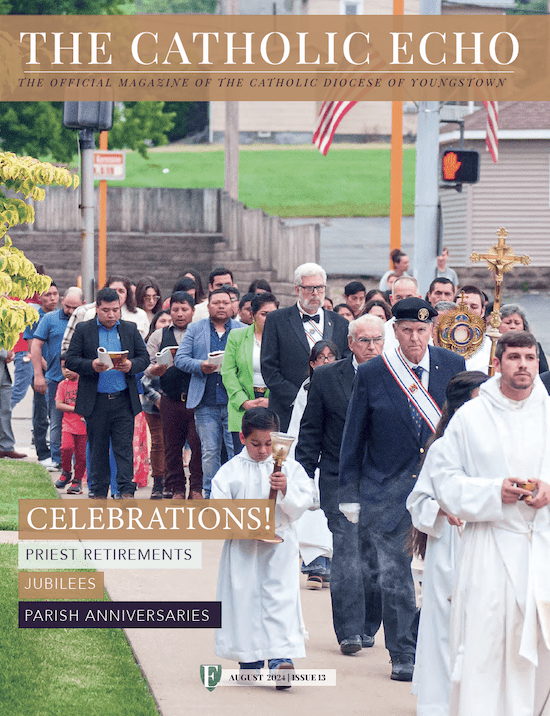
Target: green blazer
{"points": [[237, 374]]}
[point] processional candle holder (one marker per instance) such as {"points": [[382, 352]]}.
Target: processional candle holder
{"points": [[280, 447]]}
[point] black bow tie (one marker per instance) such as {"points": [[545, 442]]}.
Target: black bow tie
{"points": [[315, 318]]}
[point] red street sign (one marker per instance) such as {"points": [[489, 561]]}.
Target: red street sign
{"points": [[109, 165]]}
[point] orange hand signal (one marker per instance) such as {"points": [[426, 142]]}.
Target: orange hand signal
{"points": [[450, 166]]}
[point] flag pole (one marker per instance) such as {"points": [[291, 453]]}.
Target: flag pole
{"points": [[396, 161]]}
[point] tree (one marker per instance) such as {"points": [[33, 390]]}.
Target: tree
{"points": [[36, 128], [18, 277], [139, 125], [60, 7], [529, 7], [189, 118]]}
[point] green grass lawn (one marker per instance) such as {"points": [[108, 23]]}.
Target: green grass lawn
{"points": [[57, 672], [64, 672], [286, 182], [25, 481]]}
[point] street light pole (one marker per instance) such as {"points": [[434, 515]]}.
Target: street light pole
{"points": [[87, 146], [427, 182]]}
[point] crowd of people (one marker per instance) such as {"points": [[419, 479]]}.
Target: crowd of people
{"points": [[392, 430]]}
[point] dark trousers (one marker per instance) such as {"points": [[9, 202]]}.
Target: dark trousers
{"points": [[40, 425], [354, 586], [178, 425], [154, 423], [399, 612], [112, 419]]}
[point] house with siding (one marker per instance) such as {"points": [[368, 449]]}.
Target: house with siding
{"points": [[514, 193]]}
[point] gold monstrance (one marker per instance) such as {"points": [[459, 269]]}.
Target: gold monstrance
{"points": [[500, 259]]}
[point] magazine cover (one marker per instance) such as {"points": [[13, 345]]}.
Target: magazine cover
{"points": [[201, 205]]}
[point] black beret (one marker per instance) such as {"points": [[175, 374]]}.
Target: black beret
{"points": [[414, 309]]}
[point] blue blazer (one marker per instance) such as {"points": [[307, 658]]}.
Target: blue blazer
{"points": [[381, 452], [193, 350]]}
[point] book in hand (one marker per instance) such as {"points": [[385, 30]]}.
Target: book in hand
{"points": [[166, 356], [216, 358], [112, 359]]}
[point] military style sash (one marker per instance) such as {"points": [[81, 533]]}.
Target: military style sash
{"points": [[412, 387]]}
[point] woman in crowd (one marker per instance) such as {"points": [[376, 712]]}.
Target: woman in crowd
{"points": [[514, 319], [196, 277], [241, 371], [312, 529], [379, 308], [374, 293], [148, 296], [344, 310], [435, 538], [400, 263], [160, 320], [260, 285]]}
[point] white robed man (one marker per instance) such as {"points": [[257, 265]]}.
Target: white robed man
{"points": [[500, 617]]}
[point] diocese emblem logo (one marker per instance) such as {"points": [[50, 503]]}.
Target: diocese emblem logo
{"points": [[210, 675], [423, 314]]}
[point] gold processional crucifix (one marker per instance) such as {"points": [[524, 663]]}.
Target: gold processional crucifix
{"points": [[500, 259]]}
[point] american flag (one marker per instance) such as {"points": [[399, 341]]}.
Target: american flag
{"points": [[330, 116], [491, 139]]}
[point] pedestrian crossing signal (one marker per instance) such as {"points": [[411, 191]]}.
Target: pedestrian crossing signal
{"points": [[460, 166]]}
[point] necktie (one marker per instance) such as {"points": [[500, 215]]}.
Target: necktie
{"points": [[306, 317], [417, 418]]}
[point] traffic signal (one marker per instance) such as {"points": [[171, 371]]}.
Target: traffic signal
{"points": [[460, 166], [88, 115]]}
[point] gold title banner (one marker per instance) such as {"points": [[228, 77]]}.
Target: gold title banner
{"points": [[296, 58], [141, 519], [60, 585]]}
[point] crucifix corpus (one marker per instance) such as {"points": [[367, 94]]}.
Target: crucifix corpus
{"points": [[500, 259]]}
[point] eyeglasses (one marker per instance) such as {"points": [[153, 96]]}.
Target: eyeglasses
{"points": [[313, 289], [151, 298], [325, 359], [369, 341]]}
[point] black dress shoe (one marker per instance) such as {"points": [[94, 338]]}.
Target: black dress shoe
{"points": [[351, 645], [402, 668], [12, 454], [368, 641]]}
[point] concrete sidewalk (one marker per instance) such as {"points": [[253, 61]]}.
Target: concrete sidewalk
{"points": [[170, 658]]}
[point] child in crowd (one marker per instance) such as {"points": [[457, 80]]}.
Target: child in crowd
{"points": [[258, 582], [73, 434]]}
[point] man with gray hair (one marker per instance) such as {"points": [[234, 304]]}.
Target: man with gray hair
{"points": [[403, 287], [356, 601], [394, 407], [290, 334], [49, 333]]}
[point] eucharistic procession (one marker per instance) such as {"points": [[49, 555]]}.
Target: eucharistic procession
{"points": [[336, 478]]}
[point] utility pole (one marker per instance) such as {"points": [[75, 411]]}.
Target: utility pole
{"points": [[87, 146], [427, 181], [231, 133]]}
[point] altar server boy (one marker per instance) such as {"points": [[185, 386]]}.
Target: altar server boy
{"points": [[258, 583]]}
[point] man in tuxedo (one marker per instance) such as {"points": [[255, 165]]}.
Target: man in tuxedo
{"points": [[394, 408], [356, 602], [290, 334], [108, 399]]}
